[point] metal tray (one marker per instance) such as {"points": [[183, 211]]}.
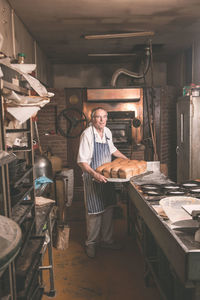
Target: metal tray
{"points": [[130, 178], [118, 179]]}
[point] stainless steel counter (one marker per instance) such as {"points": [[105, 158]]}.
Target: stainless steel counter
{"points": [[179, 248]]}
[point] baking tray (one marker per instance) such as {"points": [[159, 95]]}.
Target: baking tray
{"points": [[118, 179], [130, 178]]}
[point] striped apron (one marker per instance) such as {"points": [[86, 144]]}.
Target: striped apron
{"points": [[98, 196]]}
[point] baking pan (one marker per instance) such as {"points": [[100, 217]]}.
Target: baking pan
{"points": [[129, 179], [153, 193], [195, 190], [118, 179], [171, 187], [190, 184], [176, 192], [150, 187]]}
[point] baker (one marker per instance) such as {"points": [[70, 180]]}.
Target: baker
{"points": [[96, 148]]}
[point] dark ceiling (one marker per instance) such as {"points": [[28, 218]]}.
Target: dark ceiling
{"points": [[60, 26]]}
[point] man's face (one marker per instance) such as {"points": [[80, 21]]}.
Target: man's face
{"points": [[99, 119]]}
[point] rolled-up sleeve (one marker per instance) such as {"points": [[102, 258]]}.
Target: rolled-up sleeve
{"points": [[85, 149]]}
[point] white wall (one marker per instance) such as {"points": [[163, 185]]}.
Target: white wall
{"points": [[6, 28], [18, 39], [23, 41]]}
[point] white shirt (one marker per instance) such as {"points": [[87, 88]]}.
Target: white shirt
{"points": [[86, 146]]}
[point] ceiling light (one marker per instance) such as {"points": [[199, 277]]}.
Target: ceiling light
{"points": [[111, 54], [119, 35]]}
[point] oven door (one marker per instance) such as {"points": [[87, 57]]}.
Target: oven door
{"points": [[121, 131]]}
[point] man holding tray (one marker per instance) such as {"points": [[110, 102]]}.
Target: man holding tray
{"points": [[96, 148]]}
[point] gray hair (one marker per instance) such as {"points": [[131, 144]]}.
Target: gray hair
{"points": [[94, 111]]}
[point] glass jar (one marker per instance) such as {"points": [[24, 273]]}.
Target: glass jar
{"points": [[21, 58]]}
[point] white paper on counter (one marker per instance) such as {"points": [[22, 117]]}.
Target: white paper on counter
{"points": [[22, 114], [189, 208]]}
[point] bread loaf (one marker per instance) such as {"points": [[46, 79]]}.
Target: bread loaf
{"points": [[142, 166], [133, 168], [106, 171], [122, 168], [118, 160], [115, 168], [100, 168], [125, 172]]}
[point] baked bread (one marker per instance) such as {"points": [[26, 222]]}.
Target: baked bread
{"points": [[115, 168], [122, 168], [106, 171], [115, 163], [125, 172], [133, 168], [100, 168], [142, 165], [118, 160]]}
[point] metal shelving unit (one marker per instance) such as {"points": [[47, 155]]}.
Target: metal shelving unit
{"points": [[27, 266]]}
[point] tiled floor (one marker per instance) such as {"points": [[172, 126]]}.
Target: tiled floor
{"points": [[112, 275]]}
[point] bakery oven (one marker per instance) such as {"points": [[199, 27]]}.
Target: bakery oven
{"points": [[120, 123]]}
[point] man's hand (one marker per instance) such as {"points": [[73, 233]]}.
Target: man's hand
{"points": [[99, 178]]}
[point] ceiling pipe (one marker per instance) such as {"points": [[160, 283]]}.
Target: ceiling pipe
{"points": [[120, 71]]}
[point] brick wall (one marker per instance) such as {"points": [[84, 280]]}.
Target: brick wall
{"points": [[164, 104], [168, 98], [47, 123]]}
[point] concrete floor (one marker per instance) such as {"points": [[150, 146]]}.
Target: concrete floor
{"points": [[112, 275]]}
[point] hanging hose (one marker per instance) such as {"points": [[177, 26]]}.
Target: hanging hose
{"points": [[120, 71], [150, 114]]}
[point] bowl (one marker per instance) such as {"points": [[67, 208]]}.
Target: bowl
{"points": [[172, 206]]}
